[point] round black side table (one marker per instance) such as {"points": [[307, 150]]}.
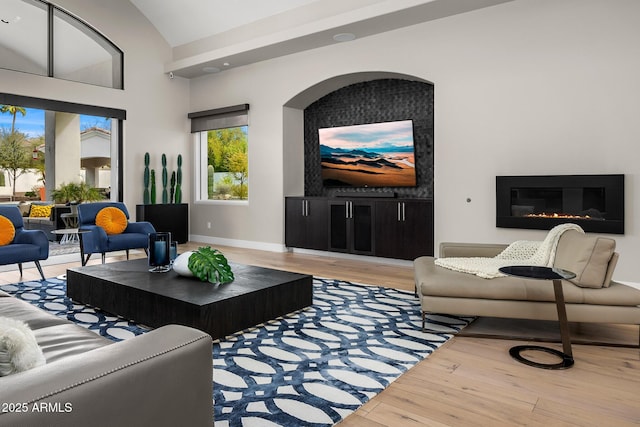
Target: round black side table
{"points": [[556, 275]]}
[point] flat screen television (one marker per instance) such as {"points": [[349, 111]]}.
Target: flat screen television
{"points": [[368, 155]]}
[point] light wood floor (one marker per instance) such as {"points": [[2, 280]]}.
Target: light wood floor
{"points": [[468, 381]]}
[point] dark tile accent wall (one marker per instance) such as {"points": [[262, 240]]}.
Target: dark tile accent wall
{"points": [[373, 101]]}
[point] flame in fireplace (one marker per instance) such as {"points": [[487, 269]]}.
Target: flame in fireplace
{"points": [[557, 215]]}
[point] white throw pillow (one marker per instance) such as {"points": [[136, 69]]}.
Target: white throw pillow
{"points": [[19, 349]]}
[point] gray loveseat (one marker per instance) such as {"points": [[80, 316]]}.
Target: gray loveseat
{"points": [[591, 297], [161, 378], [46, 224]]}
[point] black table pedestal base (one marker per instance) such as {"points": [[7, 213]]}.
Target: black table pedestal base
{"points": [[567, 360], [556, 275]]}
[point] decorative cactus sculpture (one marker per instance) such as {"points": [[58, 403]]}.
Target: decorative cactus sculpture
{"points": [[145, 195], [179, 180], [173, 186], [210, 175], [165, 195], [153, 187]]}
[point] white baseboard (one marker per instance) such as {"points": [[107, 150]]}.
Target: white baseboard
{"points": [[366, 258], [275, 247], [632, 284], [249, 244]]}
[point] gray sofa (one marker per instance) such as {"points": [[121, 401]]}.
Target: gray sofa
{"points": [[591, 297], [161, 378], [48, 224]]}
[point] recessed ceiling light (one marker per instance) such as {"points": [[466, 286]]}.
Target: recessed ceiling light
{"points": [[211, 69], [226, 64], [344, 37]]}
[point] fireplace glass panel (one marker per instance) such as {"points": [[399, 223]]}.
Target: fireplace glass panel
{"points": [[553, 202], [595, 202]]}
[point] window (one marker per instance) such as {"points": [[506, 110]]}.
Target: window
{"points": [[30, 159], [97, 132], [24, 46], [40, 38], [222, 153], [83, 55]]}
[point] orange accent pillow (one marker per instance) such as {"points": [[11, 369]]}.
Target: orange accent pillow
{"points": [[7, 231], [40, 211], [112, 219]]}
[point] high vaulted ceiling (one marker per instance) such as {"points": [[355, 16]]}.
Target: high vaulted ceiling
{"points": [[208, 36], [185, 21]]}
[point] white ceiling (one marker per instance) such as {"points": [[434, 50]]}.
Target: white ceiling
{"points": [[185, 21], [214, 35]]}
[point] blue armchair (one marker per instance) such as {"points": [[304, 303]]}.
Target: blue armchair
{"points": [[27, 245], [95, 240]]}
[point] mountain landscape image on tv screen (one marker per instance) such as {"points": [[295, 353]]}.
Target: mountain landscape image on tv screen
{"points": [[369, 155]]}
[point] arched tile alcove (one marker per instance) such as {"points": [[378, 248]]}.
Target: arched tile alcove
{"points": [[356, 99]]}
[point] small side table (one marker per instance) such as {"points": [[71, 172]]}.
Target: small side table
{"points": [[72, 235], [556, 275], [69, 235], [70, 220]]}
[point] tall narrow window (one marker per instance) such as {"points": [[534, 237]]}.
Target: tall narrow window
{"points": [[222, 155]]}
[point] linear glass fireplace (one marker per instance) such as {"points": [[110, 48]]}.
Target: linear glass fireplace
{"points": [[594, 202]]}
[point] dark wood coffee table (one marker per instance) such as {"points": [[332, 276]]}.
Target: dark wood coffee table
{"points": [[128, 289]]}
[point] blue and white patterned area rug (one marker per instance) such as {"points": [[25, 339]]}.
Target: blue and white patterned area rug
{"points": [[313, 367], [50, 296]]}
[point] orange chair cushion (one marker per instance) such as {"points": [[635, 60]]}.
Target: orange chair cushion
{"points": [[112, 219], [40, 211], [7, 231]]}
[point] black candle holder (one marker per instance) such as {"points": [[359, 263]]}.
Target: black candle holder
{"points": [[159, 252]]}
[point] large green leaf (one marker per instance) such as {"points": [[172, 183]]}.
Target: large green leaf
{"points": [[209, 264]]}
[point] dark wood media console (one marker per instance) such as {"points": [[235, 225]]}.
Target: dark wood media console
{"points": [[384, 227]]}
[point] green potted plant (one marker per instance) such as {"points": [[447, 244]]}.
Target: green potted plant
{"points": [[74, 193]]}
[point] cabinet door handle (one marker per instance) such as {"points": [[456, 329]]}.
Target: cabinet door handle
{"points": [[303, 211], [404, 218], [399, 216], [349, 210]]}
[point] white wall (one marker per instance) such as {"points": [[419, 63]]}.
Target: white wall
{"points": [[156, 106], [527, 87], [26, 182]]}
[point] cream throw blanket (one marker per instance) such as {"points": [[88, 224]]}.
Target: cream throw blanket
{"points": [[521, 252]]}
